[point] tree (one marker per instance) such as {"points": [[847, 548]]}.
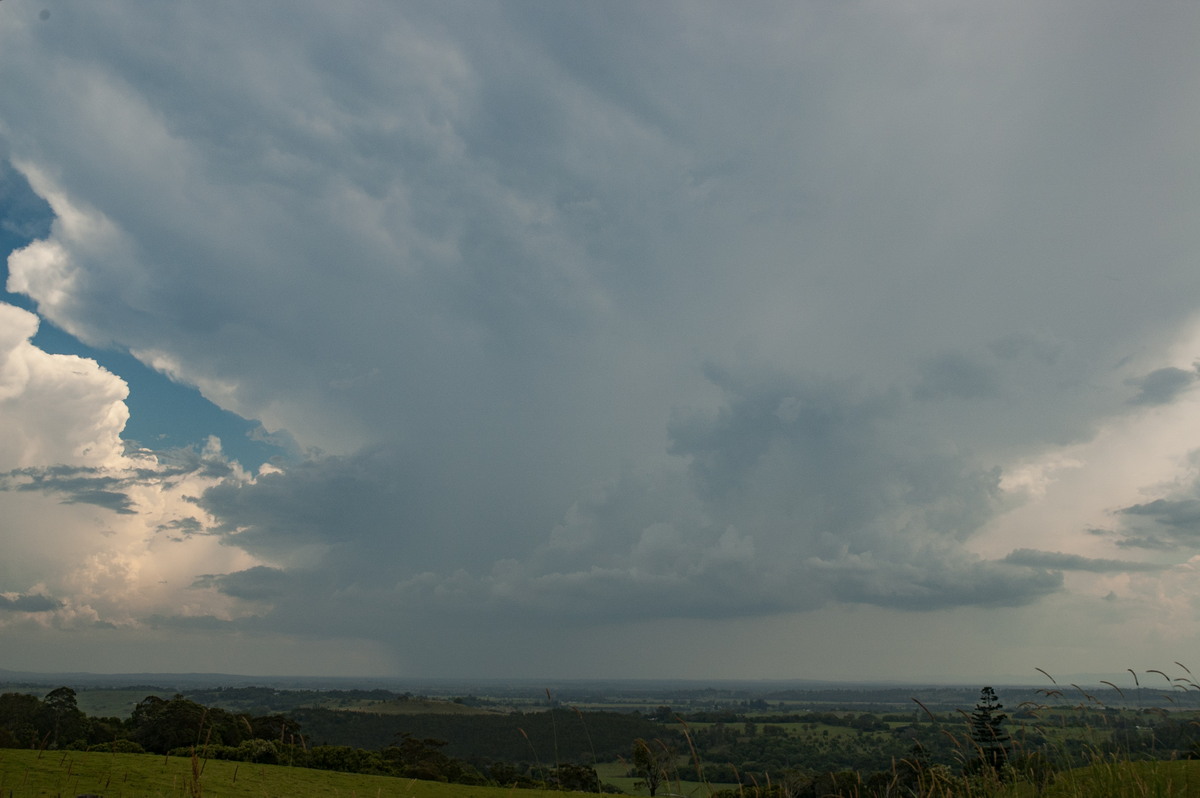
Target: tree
{"points": [[61, 716], [987, 730], [19, 720], [419, 758], [161, 726], [576, 778], [652, 762]]}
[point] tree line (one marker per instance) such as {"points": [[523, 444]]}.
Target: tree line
{"points": [[181, 727]]}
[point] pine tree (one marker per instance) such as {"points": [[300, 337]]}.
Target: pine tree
{"points": [[987, 730]]}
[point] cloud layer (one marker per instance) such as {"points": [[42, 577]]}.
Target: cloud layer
{"points": [[674, 314]]}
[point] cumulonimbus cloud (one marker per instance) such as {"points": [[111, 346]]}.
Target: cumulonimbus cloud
{"points": [[573, 317]]}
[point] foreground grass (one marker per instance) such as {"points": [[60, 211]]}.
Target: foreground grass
{"points": [[1104, 779], [1122, 779], [25, 774]]}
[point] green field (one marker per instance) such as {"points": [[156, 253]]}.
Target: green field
{"points": [[616, 774], [411, 706], [28, 774]]}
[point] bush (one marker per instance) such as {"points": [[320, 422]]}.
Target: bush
{"points": [[262, 752]]}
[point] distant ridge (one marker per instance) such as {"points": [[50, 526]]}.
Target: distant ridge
{"points": [[191, 680]]}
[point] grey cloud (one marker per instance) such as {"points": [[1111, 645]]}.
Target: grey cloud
{"points": [[938, 582], [1021, 345], [184, 527], [958, 376], [198, 623], [29, 602], [478, 248], [89, 485], [1059, 561], [1162, 386], [1147, 542], [368, 499], [828, 428], [112, 500], [255, 584], [1182, 515], [794, 493], [77, 485], [1166, 524], [487, 256], [829, 461]]}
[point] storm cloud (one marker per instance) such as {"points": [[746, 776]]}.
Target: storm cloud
{"points": [[566, 319]]}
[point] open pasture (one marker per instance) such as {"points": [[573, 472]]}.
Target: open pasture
{"points": [[30, 774]]}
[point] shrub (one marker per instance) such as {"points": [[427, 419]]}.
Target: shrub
{"points": [[263, 752]]}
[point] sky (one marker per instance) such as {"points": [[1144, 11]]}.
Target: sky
{"points": [[700, 340]]}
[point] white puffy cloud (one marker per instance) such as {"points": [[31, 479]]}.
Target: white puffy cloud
{"points": [[54, 409], [95, 535]]}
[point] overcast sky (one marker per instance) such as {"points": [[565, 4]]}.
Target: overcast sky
{"points": [[783, 340]]}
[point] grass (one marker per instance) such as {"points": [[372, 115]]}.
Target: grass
{"points": [[1124, 779], [26, 774]]}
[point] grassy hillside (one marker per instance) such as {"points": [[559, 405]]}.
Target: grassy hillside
{"points": [[25, 774]]}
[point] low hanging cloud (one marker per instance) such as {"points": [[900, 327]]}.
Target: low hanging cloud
{"points": [[1180, 515], [76, 486], [1162, 385], [790, 496], [1060, 561], [30, 602], [253, 584]]}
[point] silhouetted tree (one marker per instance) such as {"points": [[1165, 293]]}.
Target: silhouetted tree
{"points": [[987, 730]]}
